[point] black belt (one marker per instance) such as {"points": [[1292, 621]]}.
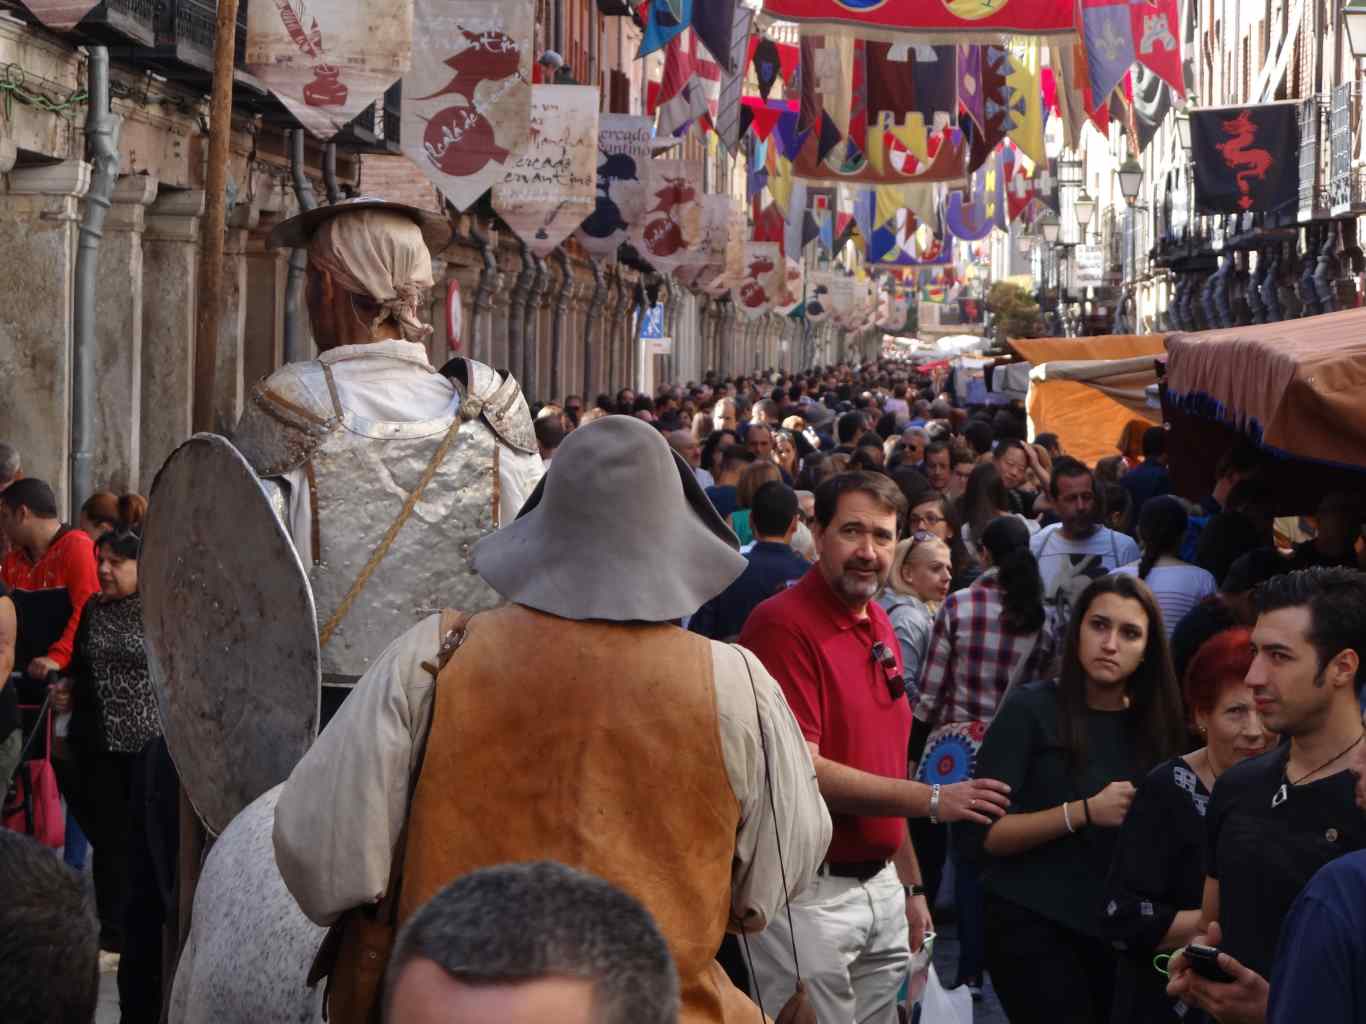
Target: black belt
{"points": [[860, 869]]}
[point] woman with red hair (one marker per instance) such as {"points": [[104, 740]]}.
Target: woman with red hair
{"points": [[1157, 877]]}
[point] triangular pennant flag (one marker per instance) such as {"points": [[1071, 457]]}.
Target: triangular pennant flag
{"points": [[714, 21], [664, 22], [729, 128], [1026, 99]]}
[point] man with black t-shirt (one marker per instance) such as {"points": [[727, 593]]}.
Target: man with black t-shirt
{"points": [[1274, 820]]}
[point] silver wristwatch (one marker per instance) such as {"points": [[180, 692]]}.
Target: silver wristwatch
{"points": [[934, 804]]}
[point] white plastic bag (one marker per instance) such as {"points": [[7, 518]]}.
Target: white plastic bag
{"points": [[945, 1006]]}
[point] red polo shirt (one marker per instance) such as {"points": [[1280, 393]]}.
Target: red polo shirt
{"points": [[822, 656]]}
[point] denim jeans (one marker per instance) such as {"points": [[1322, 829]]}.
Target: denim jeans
{"points": [[970, 900], [77, 846]]}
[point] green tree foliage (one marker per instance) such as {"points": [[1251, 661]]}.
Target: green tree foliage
{"points": [[1014, 312]]}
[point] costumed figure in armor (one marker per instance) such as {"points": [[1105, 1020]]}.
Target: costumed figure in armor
{"points": [[667, 763], [374, 474]]}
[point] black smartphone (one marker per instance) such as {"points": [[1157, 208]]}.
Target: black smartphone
{"points": [[1204, 961]]}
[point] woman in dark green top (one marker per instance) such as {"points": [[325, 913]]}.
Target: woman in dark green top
{"points": [[1071, 751]]}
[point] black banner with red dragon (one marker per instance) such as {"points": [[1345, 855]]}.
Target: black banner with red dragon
{"points": [[1246, 159]]}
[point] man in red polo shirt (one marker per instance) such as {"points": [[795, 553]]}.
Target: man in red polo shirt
{"points": [[833, 651], [47, 558]]}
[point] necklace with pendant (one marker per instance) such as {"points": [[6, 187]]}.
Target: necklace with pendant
{"points": [[1283, 794]]}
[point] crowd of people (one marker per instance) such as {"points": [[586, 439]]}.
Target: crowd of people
{"points": [[1103, 648], [1109, 727]]}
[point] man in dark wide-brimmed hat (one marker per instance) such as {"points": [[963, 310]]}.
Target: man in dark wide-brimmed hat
{"points": [[576, 723]]}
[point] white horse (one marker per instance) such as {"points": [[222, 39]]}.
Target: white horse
{"points": [[250, 946]]}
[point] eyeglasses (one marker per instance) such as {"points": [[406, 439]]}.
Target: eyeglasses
{"points": [[926, 520], [886, 657]]}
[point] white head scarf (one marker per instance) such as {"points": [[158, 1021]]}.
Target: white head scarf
{"points": [[380, 254]]}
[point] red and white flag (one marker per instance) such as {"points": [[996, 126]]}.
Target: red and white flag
{"points": [[691, 86]]}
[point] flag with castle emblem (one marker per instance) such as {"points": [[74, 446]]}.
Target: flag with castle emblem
{"points": [[1158, 47]]}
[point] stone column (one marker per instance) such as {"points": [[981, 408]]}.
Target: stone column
{"points": [[38, 222], [118, 338], [267, 278], [170, 258]]}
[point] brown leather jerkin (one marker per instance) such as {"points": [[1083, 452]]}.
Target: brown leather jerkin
{"points": [[596, 745]]}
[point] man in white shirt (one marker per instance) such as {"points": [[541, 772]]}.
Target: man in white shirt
{"points": [[1076, 550], [686, 445]]}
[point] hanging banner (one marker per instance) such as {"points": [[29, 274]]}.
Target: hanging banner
{"points": [[1246, 158], [763, 279], [60, 15], [623, 159], [727, 227], [467, 96], [790, 295], [550, 186], [733, 84], [818, 296], [329, 62], [672, 222], [949, 18]]}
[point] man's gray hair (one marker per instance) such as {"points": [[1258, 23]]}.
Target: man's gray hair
{"points": [[522, 922], [10, 464]]}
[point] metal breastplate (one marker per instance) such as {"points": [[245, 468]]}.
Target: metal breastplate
{"points": [[361, 475]]}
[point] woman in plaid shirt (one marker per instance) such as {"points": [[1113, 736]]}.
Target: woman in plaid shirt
{"points": [[985, 640]]}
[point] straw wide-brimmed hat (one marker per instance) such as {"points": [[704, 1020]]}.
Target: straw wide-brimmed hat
{"points": [[618, 529], [297, 231]]}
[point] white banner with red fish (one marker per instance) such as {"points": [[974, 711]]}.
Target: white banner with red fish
{"points": [[672, 222], [328, 60], [623, 162], [763, 282], [467, 96], [550, 186]]}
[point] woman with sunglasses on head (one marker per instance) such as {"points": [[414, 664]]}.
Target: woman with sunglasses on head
{"points": [[919, 581], [986, 639], [1072, 750], [1157, 879]]}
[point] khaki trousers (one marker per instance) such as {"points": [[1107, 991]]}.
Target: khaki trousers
{"points": [[853, 945]]}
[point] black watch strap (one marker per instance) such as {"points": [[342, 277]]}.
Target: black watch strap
{"points": [[914, 890]]}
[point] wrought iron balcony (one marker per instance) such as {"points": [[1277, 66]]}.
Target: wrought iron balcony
{"points": [[186, 31], [122, 21], [376, 128]]}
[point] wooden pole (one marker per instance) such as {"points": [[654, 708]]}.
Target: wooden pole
{"points": [[209, 312]]}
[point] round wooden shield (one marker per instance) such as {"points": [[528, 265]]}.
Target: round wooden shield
{"points": [[230, 630]]}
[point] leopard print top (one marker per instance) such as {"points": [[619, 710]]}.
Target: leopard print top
{"points": [[109, 652]]}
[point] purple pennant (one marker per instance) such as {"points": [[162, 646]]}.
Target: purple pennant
{"points": [[970, 85], [1109, 36], [789, 138]]}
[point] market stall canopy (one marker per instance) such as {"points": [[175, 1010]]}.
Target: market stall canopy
{"points": [[1294, 387], [1089, 402], [1101, 346]]}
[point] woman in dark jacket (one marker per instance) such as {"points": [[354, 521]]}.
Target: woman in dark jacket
{"points": [[1157, 879]]}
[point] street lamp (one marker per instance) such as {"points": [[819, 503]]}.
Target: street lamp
{"points": [[1085, 209], [1023, 243], [1130, 179], [1049, 227], [1354, 20], [1183, 131]]}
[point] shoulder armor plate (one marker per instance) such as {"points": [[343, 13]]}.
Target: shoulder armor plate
{"points": [[282, 424], [502, 406]]}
